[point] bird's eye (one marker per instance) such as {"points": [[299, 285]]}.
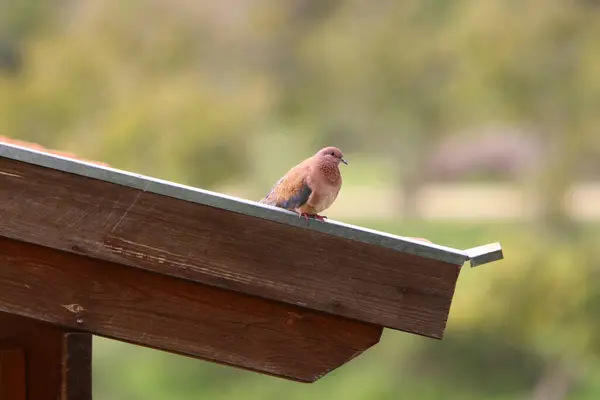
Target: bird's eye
{"points": [[332, 153]]}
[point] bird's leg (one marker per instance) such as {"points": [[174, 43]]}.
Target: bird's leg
{"points": [[321, 218], [305, 215]]}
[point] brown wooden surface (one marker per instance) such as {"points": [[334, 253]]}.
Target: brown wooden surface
{"points": [[176, 315], [58, 366], [77, 370], [12, 372], [225, 249]]}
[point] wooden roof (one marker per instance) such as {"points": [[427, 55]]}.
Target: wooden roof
{"points": [[199, 273]]}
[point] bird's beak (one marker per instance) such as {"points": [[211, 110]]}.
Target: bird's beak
{"points": [[344, 161]]}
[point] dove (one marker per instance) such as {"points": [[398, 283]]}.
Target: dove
{"points": [[310, 187]]}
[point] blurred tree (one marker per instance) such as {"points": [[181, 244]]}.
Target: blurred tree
{"points": [[18, 21], [396, 77], [141, 76], [400, 75]]}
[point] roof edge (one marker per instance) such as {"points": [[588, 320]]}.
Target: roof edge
{"points": [[238, 205]]}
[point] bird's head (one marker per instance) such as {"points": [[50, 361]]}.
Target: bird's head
{"points": [[332, 153]]}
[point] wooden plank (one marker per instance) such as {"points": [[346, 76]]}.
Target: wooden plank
{"points": [[224, 249], [56, 365], [12, 372], [176, 315]]}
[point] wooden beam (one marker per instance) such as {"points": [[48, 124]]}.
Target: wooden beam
{"points": [[42, 362], [225, 249], [176, 315]]}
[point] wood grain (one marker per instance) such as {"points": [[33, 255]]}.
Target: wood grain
{"points": [[176, 315], [225, 249], [53, 364]]}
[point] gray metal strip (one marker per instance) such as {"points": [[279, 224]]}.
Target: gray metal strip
{"points": [[484, 254], [213, 199]]}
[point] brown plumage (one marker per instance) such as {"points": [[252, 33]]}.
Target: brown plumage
{"points": [[311, 186]]}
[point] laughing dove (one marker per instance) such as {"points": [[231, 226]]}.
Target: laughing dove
{"points": [[311, 186]]}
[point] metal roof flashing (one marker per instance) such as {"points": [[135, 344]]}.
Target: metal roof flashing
{"points": [[477, 256]]}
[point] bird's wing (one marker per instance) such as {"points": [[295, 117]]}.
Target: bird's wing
{"points": [[291, 191]]}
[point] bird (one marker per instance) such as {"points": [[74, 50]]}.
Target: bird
{"points": [[310, 187]]}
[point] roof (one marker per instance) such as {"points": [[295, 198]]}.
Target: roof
{"points": [[194, 272]]}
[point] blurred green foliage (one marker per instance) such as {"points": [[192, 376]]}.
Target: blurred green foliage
{"points": [[201, 82], [231, 93]]}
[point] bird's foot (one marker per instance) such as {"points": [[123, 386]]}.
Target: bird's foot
{"points": [[313, 216]]}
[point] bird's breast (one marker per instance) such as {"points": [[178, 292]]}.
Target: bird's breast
{"points": [[322, 199]]}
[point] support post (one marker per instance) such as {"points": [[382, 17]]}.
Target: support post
{"points": [[43, 362], [12, 372]]}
